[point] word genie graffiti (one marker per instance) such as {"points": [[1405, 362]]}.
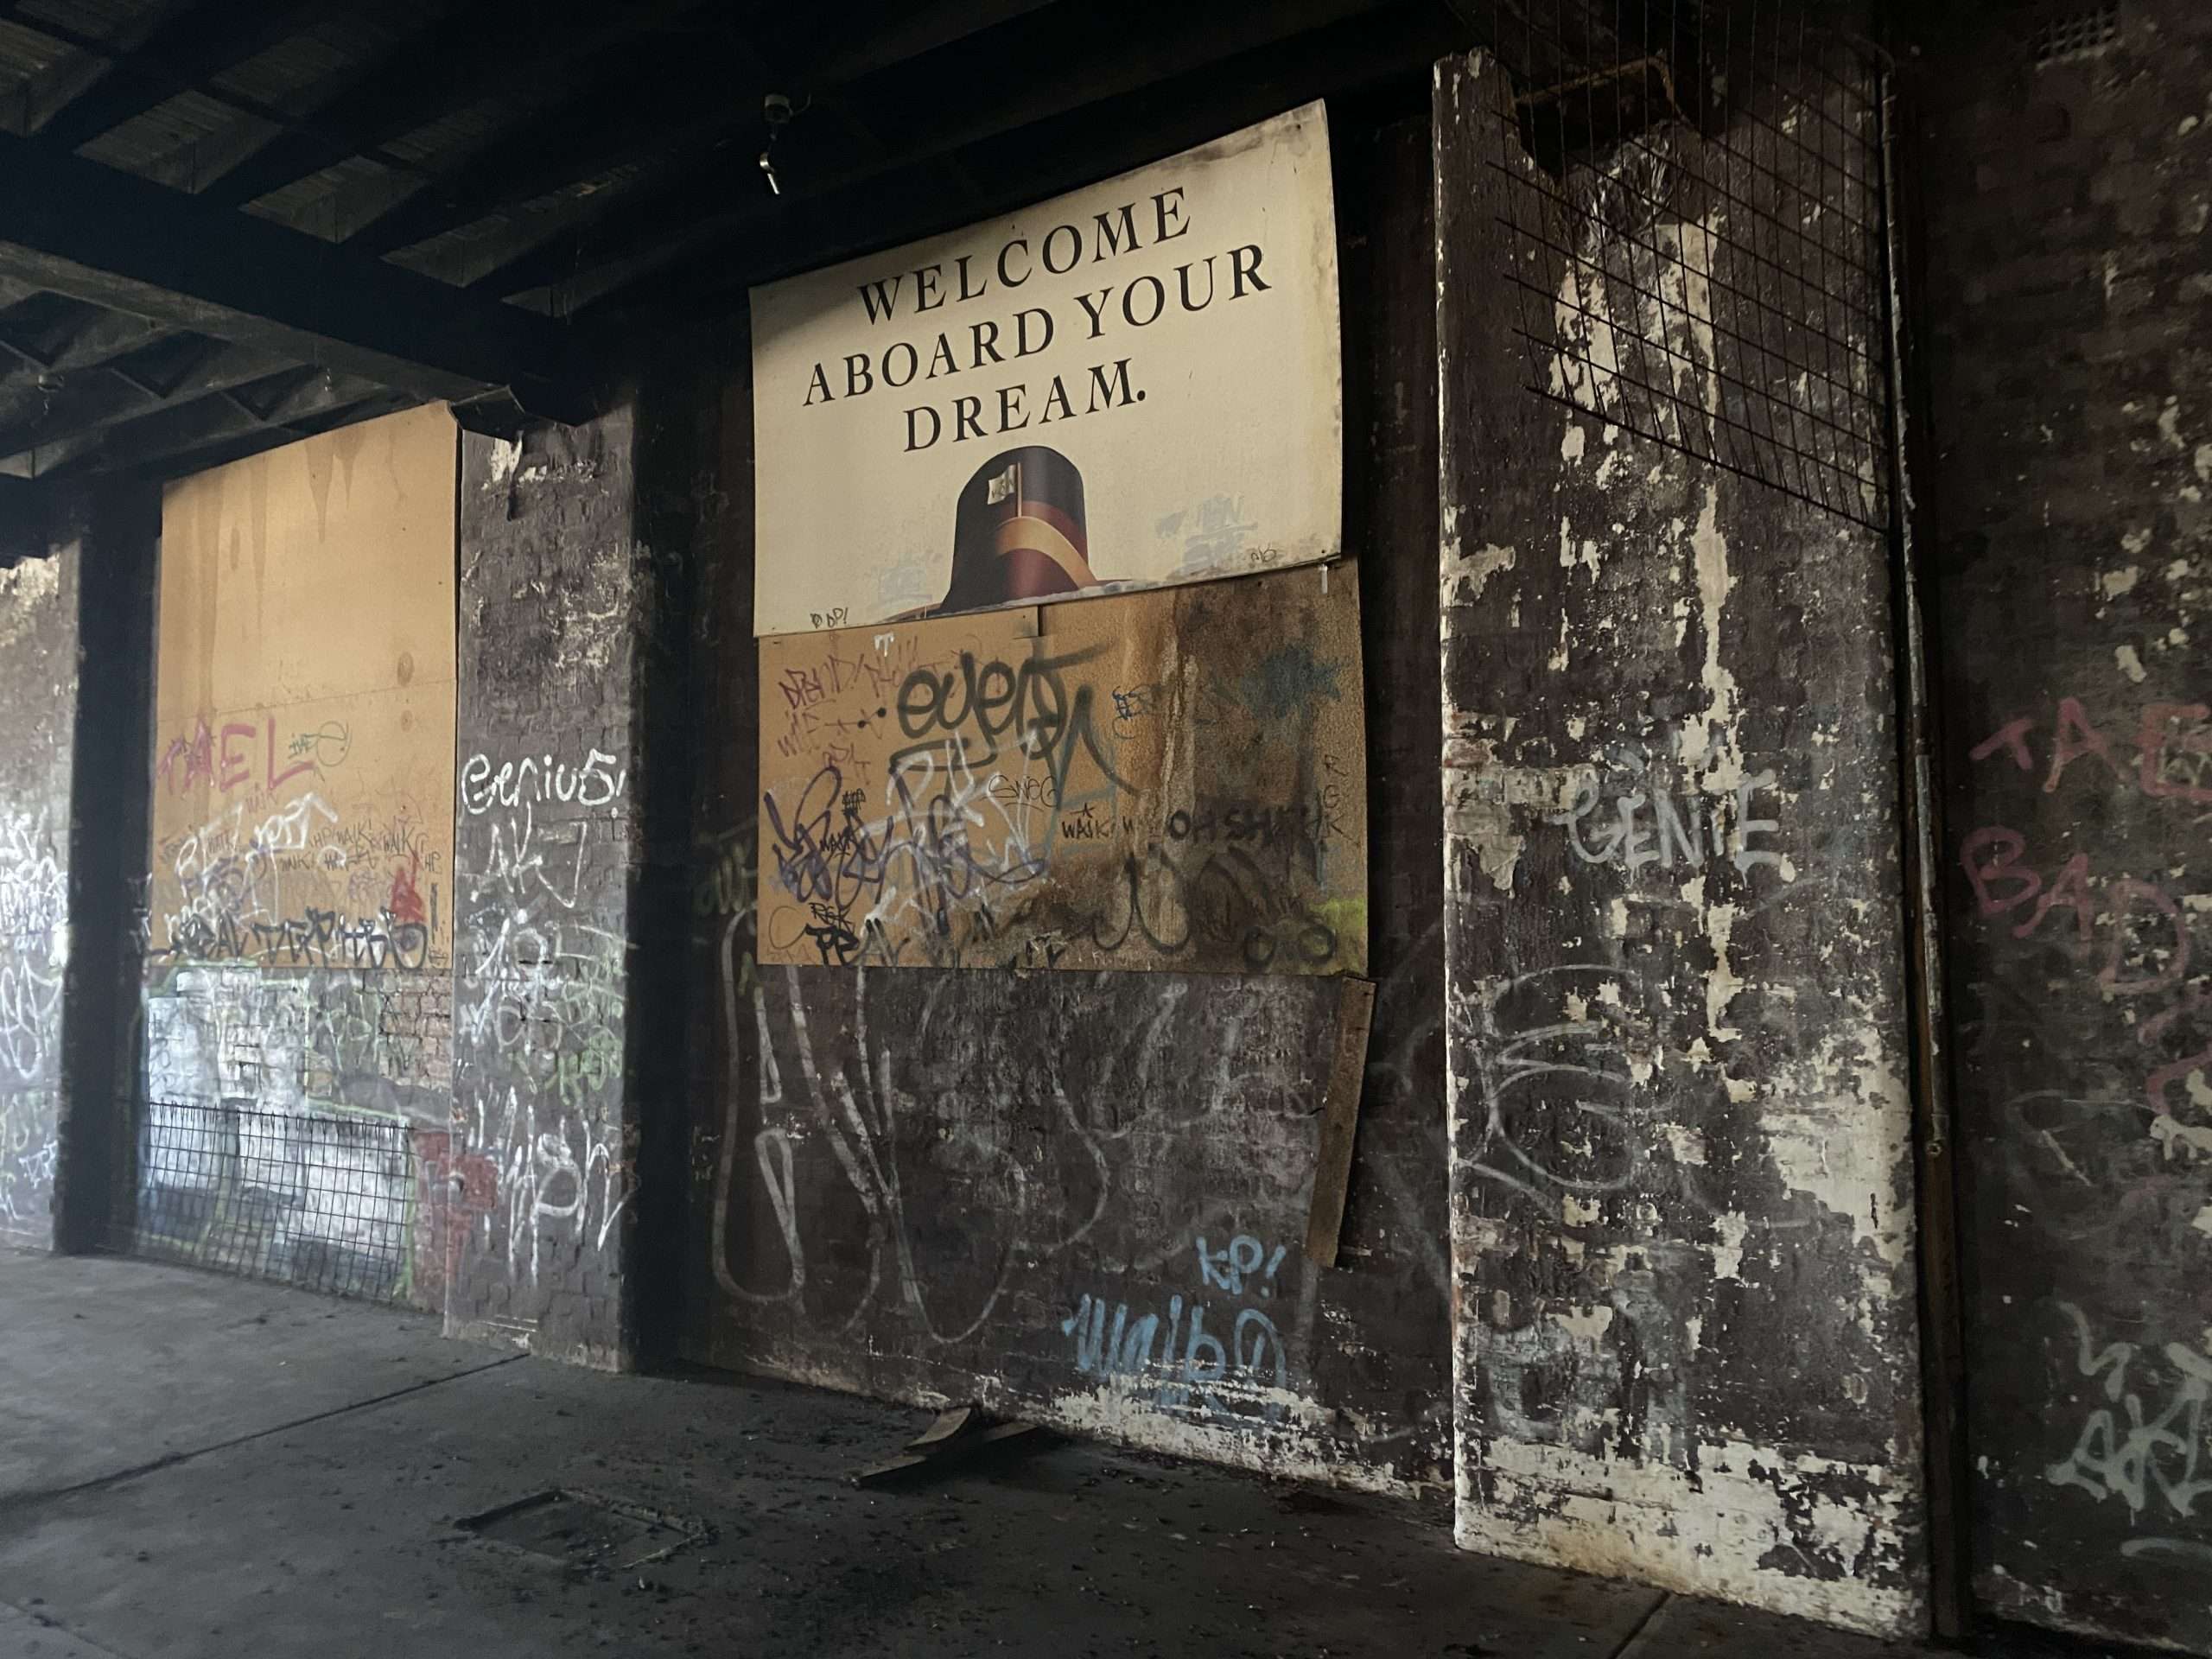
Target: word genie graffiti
{"points": [[1656, 826]]}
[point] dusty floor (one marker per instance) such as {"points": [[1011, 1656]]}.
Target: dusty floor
{"points": [[199, 1465]]}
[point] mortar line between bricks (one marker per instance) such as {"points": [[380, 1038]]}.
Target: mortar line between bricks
{"points": [[16, 1501], [1634, 1644], [47, 1622]]}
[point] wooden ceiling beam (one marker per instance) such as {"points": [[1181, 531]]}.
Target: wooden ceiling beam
{"points": [[85, 405], [190, 47], [96, 234], [533, 160], [205, 431], [644, 108], [1125, 111], [1109, 52], [423, 80]]}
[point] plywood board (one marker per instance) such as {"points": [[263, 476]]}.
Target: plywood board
{"points": [[303, 773], [1135, 384], [1173, 779]]}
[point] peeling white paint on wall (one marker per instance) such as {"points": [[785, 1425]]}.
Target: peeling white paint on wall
{"points": [[25, 590], [1586, 1087], [1125, 1414], [1726, 1530]]}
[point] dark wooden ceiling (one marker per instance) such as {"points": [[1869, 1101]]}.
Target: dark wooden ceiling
{"points": [[225, 223]]}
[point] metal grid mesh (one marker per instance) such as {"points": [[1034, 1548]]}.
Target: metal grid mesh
{"points": [[2069, 31], [313, 1199], [1697, 256]]}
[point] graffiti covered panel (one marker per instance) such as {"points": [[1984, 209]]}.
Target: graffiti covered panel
{"points": [[297, 1055], [304, 771], [1165, 780], [1028, 1190]]}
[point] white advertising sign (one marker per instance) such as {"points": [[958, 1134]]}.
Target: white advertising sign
{"points": [[1134, 384]]}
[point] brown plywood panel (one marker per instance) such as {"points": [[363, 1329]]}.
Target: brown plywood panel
{"points": [[304, 778], [1161, 780]]}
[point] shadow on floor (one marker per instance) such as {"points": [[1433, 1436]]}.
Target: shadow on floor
{"points": [[203, 1466]]}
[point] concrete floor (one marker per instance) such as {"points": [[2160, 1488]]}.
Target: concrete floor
{"points": [[200, 1466]]}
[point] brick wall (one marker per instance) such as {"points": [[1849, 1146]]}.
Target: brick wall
{"points": [[1682, 1190], [2069, 325], [38, 681], [541, 1165]]}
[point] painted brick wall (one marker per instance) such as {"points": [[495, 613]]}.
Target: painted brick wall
{"points": [[1034, 1158], [541, 1160], [1682, 1190], [2069, 327], [38, 680]]}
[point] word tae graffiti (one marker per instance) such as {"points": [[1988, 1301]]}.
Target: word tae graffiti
{"points": [[596, 781], [2120, 1452], [2172, 742], [1241, 1379]]}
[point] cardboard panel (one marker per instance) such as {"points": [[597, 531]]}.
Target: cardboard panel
{"points": [[1170, 779]]}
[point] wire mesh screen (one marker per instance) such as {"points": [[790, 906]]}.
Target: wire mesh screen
{"points": [[313, 1199], [1697, 255]]}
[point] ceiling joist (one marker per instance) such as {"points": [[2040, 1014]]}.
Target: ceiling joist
{"points": [[88, 230], [227, 221]]}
